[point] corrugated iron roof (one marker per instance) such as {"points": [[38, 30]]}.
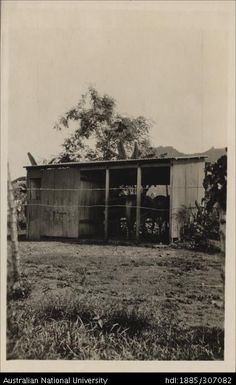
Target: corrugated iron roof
{"points": [[116, 162]]}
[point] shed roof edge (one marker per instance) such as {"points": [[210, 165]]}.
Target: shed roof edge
{"points": [[121, 161]]}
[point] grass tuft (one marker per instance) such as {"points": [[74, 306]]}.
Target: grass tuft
{"points": [[19, 290], [70, 327]]}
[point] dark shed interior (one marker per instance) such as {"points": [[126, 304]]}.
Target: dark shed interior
{"points": [[154, 205]]}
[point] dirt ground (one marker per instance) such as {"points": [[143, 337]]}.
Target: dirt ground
{"points": [[189, 283]]}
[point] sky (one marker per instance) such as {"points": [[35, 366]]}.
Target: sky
{"points": [[168, 61]]}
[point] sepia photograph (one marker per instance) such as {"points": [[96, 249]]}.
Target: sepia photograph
{"points": [[117, 123]]}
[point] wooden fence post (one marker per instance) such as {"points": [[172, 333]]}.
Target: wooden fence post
{"points": [[222, 219], [138, 201], [13, 230], [107, 190]]}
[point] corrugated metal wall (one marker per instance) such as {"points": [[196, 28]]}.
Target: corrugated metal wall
{"points": [[57, 210], [60, 218], [33, 208], [186, 188]]}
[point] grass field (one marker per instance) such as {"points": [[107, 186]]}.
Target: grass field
{"points": [[117, 303]]}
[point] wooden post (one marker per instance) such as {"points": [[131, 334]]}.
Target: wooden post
{"points": [[13, 230], [138, 201], [171, 203], [222, 218], [107, 187]]}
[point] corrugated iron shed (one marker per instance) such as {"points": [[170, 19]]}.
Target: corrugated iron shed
{"points": [[83, 199]]}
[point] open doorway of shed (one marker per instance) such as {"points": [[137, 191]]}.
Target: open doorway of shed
{"points": [[122, 204], [154, 208], [155, 202], [92, 204]]}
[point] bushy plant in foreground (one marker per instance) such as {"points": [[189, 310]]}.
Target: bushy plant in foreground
{"points": [[198, 226]]}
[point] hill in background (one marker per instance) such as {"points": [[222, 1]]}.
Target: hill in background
{"points": [[212, 154]]}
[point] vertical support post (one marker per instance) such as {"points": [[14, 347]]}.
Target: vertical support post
{"points": [[14, 233], [78, 185], [138, 201], [27, 206], [171, 203], [107, 189]]}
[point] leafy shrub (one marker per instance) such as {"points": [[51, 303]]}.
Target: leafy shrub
{"points": [[198, 225], [215, 183]]}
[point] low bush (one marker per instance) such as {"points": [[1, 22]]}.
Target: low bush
{"points": [[198, 226]]}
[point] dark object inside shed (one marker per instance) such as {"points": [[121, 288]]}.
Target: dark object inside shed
{"points": [[154, 207]]}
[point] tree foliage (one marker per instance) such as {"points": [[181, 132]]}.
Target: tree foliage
{"points": [[215, 183], [98, 122]]}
